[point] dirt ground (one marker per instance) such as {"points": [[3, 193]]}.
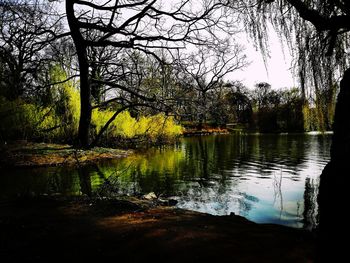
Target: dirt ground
{"points": [[51, 230]]}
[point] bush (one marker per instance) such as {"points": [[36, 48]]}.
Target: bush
{"points": [[23, 120], [153, 128]]}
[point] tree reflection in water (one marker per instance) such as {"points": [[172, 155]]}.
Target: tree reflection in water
{"points": [[310, 214], [266, 178]]}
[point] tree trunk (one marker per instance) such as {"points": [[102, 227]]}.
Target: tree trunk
{"points": [[333, 193], [85, 102], [85, 89]]}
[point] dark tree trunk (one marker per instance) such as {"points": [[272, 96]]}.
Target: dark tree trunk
{"points": [[85, 101], [334, 187], [85, 89]]}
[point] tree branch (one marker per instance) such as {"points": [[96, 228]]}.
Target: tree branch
{"points": [[320, 22]]}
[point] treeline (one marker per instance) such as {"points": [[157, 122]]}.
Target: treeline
{"points": [[288, 110], [262, 109]]}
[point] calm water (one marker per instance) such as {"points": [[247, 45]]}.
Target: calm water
{"points": [[265, 178]]}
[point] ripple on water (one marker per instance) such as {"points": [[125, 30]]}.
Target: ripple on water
{"points": [[264, 178]]}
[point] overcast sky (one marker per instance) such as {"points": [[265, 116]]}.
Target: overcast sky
{"points": [[278, 73]]}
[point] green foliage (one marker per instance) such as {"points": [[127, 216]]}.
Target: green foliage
{"points": [[99, 118], [57, 120], [153, 128], [66, 100], [278, 110], [125, 125], [23, 120], [158, 126], [308, 118]]}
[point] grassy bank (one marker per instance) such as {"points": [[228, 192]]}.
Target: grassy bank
{"points": [[28, 154]]}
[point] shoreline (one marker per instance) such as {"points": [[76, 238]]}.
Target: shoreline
{"points": [[23, 154], [29, 154]]}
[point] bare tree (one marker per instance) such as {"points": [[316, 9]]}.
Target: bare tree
{"points": [[139, 83], [144, 26], [27, 30], [206, 68]]}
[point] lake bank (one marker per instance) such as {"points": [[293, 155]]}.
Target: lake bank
{"points": [[47, 229], [30, 154], [205, 131]]}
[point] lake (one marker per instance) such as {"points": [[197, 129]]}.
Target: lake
{"points": [[265, 178]]}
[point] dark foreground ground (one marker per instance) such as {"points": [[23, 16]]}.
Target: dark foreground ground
{"points": [[52, 230]]}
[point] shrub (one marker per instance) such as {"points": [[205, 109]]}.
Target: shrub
{"points": [[23, 120], [153, 128]]}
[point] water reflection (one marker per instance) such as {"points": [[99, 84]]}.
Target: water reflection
{"points": [[310, 216], [266, 178]]}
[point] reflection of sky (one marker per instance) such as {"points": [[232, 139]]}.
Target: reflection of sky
{"points": [[264, 193], [254, 199]]}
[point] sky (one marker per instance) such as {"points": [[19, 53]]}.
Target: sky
{"points": [[277, 71]]}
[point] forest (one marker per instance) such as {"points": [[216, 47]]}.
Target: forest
{"points": [[82, 79]]}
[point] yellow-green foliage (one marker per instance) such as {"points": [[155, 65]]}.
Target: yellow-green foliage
{"points": [[28, 120], [25, 120], [143, 125], [311, 122], [66, 99], [159, 125], [22, 120], [170, 127], [73, 103], [126, 126], [60, 120], [100, 118], [123, 125]]}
